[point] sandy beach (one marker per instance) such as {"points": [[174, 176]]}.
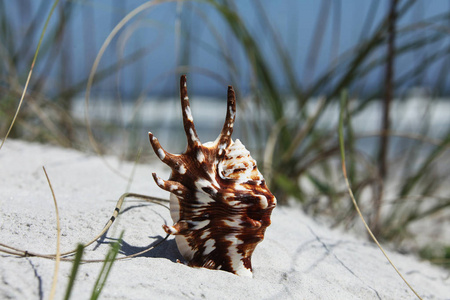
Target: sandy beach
{"points": [[299, 258]]}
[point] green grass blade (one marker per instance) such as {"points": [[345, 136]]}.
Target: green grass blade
{"points": [[259, 65], [290, 186], [31, 72], [341, 123], [73, 274], [106, 268], [411, 182], [322, 186]]}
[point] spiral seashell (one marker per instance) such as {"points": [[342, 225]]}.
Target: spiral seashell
{"points": [[219, 201]]}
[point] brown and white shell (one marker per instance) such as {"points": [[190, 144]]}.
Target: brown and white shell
{"points": [[219, 201]]}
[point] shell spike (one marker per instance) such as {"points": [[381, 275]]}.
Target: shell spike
{"points": [[171, 186], [177, 228], [162, 154], [224, 138], [188, 120]]}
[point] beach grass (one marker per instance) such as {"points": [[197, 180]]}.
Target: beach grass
{"points": [[298, 150]]}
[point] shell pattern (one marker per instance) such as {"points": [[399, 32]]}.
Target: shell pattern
{"points": [[219, 201]]}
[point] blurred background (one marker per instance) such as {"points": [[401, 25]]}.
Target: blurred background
{"points": [[289, 62]]}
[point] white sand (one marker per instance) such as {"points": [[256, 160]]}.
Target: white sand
{"points": [[298, 259]]}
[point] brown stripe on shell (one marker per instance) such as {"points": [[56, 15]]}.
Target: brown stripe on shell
{"points": [[220, 203]]}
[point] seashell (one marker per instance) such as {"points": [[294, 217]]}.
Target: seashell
{"points": [[219, 201]]}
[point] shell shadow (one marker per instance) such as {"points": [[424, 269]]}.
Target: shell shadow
{"points": [[167, 249]]}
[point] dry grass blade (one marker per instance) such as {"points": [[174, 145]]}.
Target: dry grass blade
{"points": [[155, 200], [133, 171], [270, 149], [344, 171], [58, 240], [29, 74], [95, 65], [15, 251]]}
